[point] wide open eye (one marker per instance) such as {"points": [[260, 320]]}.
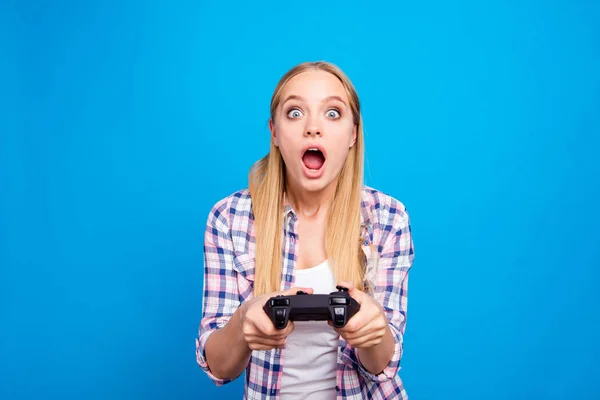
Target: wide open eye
{"points": [[333, 113], [294, 113]]}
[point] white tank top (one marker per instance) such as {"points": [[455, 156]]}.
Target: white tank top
{"points": [[310, 357]]}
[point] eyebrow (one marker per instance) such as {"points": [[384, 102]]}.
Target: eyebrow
{"points": [[326, 99]]}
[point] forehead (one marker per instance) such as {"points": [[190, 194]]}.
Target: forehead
{"points": [[314, 85]]}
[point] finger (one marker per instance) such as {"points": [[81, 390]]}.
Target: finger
{"points": [[361, 323], [265, 341], [352, 290], [348, 285], [366, 345], [257, 340], [258, 346], [248, 329], [282, 333], [356, 323], [376, 324], [265, 327], [365, 330], [369, 340]]}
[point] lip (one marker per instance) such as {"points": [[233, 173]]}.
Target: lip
{"points": [[314, 146], [311, 173]]}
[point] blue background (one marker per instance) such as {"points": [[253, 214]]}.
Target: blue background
{"points": [[122, 123]]}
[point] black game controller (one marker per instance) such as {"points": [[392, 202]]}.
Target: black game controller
{"points": [[337, 307]]}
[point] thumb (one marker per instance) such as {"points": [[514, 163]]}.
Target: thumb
{"points": [[352, 290], [294, 290]]}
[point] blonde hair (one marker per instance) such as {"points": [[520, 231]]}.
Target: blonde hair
{"points": [[267, 185]]}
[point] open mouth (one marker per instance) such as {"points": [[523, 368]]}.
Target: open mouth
{"points": [[313, 158]]}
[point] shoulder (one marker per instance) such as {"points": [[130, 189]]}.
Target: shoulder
{"points": [[383, 211], [237, 205]]}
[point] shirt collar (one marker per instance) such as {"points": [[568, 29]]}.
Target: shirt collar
{"points": [[365, 220]]}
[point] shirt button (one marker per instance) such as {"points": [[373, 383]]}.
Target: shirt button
{"points": [[337, 388]]}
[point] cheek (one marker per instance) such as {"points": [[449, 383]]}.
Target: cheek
{"points": [[287, 143], [341, 141], [339, 154], [342, 131]]}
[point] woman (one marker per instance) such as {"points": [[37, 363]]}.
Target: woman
{"points": [[307, 223]]}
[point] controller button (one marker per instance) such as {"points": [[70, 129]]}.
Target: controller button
{"points": [[280, 317], [280, 302], [339, 314], [338, 300]]}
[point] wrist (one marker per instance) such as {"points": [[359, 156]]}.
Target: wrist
{"points": [[239, 326], [376, 358]]}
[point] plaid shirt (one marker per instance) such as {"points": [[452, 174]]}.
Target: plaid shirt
{"points": [[229, 274]]}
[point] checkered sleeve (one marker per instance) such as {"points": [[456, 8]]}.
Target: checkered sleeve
{"points": [[220, 291], [396, 258]]}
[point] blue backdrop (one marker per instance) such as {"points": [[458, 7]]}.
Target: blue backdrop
{"points": [[122, 123]]}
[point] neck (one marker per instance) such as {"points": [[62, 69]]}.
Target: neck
{"points": [[313, 205]]}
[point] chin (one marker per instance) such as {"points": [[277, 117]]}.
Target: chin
{"points": [[315, 185], [304, 182]]}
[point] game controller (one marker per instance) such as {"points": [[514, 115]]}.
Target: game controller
{"points": [[337, 307]]}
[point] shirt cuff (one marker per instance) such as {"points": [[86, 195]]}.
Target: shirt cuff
{"points": [[350, 357], [201, 359]]}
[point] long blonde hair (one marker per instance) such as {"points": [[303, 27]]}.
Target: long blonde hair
{"points": [[267, 185]]}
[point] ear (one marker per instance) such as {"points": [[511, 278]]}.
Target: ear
{"points": [[354, 135], [273, 133]]}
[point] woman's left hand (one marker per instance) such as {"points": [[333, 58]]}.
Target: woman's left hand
{"points": [[368, 327]]}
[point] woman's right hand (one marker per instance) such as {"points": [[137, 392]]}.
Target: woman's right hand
{"points": [[257, 328]]}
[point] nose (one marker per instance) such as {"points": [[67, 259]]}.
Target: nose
{"points": [[312, 129]]}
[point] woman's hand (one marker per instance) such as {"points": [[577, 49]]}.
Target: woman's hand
{"points": [[369, 326], [258, 330]]}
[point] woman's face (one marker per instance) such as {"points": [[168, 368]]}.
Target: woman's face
{"points": [[314, 129]]}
